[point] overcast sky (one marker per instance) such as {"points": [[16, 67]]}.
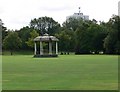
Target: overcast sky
{"points": [[18, 13]]}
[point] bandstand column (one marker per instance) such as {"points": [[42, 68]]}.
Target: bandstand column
{"points": [[41, 48], [50, 48], [56, 48], [35, 48]]}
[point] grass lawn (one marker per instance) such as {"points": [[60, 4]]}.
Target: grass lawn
{"points": [[67, 72]]}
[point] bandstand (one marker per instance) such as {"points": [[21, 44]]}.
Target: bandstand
{"points": [[39, 42]]}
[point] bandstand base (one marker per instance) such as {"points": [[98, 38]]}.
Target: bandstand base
{"points": [[45, 56]]}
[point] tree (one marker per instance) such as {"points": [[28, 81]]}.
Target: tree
{"points": [[30, 41], [64, 40], [24, 34], [81, 41], [79, 35], [89, 37], [97, 34], [45, 25], [82, 38], [3, 34], [0, 36], [112, 41], [3, 30], [12, 42], [73, 24]]}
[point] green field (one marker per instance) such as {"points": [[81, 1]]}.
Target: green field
{"points": [[67, 72]]}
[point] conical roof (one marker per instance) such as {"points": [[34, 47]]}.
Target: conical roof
{"points": [[46, 37]]}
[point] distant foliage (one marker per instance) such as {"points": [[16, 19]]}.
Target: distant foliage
{"points": [[30, 41], [112, 40], [12, 42], [45, 25], [75, 35]]}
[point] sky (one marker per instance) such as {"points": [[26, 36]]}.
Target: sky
{"points": [[16, 14]]}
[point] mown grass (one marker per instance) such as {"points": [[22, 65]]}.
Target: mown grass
{"points": [[67, 72]]}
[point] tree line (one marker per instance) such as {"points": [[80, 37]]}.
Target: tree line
{"points": [[75, 35]]}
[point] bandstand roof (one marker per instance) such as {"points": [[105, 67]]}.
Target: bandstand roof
{"points": [[46, 37]]}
